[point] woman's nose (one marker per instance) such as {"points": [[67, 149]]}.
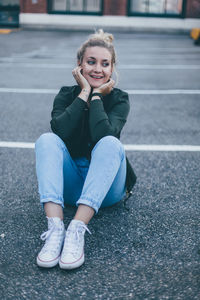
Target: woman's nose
{"points": [[97, 68]]}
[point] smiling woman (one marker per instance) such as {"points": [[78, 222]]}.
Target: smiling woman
{"points": [[96, 59], [83, 163], [96, 66]]}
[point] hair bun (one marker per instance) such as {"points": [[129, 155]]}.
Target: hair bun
{"points": [[101, 35]]}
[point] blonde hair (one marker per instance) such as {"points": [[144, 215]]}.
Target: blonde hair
{"points": [[100, 39]]}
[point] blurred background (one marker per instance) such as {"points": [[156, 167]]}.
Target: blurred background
{"points": [[10, 10]]}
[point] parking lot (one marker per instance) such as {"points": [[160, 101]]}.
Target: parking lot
{"points": [[152, 250]]}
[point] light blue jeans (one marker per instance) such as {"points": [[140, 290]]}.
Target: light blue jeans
{"points": [[97, 183]]}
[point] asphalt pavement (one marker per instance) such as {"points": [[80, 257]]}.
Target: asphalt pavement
{"points": [[152, 250]]}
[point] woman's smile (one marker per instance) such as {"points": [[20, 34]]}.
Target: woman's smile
{"points": [[96, 77]]}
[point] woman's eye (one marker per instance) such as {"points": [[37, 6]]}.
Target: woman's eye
{"points": [[90, 62], [105, 64]]}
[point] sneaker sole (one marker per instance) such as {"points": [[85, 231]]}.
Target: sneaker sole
{"points": [[47, 264], [74, 265]]}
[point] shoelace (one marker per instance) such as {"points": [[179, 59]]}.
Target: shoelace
{"points": [[47, 233], [71, 238], [51, 242], [85, 227]]}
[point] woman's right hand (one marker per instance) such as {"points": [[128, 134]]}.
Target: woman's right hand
{"points": [[80, 79]]}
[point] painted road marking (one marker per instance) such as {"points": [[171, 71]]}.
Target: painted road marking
{"points": [[174, 148], [120, 67], [17, 145], [163, 92], [130, 92], [29, 91], [128, 147]]}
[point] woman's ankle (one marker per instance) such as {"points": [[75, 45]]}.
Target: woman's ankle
{"points": [[84, 213], [53, 210]]}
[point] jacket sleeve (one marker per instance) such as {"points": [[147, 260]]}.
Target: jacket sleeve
{"points": [[66, 113], [111, 123]]}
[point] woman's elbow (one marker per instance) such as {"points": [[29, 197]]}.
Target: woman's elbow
{"points": [[53, 125], [56, 129]]}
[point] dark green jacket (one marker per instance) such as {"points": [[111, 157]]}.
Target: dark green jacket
{"points": [[81, 127]]}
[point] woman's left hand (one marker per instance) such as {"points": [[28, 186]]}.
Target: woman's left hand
{"points": [[105, 88]]}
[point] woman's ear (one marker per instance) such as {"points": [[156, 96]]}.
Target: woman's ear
{"points": [[78, 63]]}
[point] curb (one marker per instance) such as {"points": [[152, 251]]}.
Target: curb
{"points": [[113, 23]]}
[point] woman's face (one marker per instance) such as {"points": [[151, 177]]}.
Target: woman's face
{"points": [[96, 66]]}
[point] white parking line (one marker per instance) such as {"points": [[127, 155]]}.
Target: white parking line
{"points": [[130, 92], [173, 148], [37, 65], [29, 91], [163, 92], [159, 67], [17, 145], [128, 147], [120, 67]]}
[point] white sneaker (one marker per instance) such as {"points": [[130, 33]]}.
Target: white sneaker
{"points": [[73, 251], [54, 238]]}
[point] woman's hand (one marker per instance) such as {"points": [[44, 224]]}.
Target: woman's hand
{"points": [[105, 88], [83, 83], [80, 79]]}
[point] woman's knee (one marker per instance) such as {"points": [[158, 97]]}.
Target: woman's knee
{"points": [[111, 143], [47, 139]]}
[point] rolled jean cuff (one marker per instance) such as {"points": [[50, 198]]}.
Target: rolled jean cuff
{"points": [[51, 199], [88, 202]]}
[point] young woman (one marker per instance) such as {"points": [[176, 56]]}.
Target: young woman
{"points": [[82, 162]]}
